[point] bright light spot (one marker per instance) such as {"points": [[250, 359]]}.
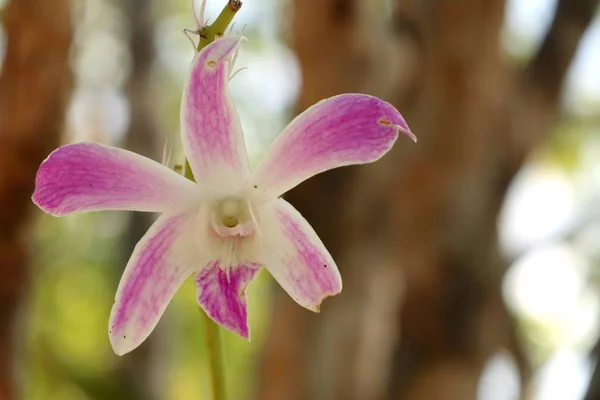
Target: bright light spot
{"points": [[565, 376], [540, 203], [104, 60], [264, 92], [173, 50], [99, 115], [544, 283], [500, 378], [525, 23], [272, 76], [548, 285], [582, 93]]}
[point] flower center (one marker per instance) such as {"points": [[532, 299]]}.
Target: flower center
{"points": [[233, 217], [230, 209], [230, 221]]}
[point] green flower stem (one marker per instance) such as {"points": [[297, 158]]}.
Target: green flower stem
{"points": [[218, 28], [188, 171], [215, 356], [214, 348], [212, 331]]}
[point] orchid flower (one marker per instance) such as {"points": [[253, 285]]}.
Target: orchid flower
{"points": [[231, 222]]}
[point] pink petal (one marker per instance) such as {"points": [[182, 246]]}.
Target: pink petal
{"points": [[342, 130], [296, 257], [160, 263], [91, 177], [211, 132], [221, 291]]}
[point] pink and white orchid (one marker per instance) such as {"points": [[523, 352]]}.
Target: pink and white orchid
{"points": [[230, 223]]}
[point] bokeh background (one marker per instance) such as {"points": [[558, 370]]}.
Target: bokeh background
{"points": [[471, 261]]}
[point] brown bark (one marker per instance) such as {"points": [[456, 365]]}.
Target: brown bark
{"points": [[317, 356], [34, 89], [142, 137], [415, 234]]}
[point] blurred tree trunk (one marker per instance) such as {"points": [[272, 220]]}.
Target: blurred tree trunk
{"points": [[35, 84], [139, 367], [415, 234], [135, 372], [142, 136]]}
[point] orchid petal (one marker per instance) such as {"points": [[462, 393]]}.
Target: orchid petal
{"points": [[296, 257], [211, 131], [160, 263], [342, 130], [221, 292], [92, 177]]}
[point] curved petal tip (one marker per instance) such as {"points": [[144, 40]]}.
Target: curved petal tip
{"points": [[400, 126], [221, 50], [120, 344], [317, 307], [407, 132]]}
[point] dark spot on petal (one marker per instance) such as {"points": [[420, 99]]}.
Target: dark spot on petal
{"points": [[385, 122], [324, 265], [255, 186], [124, 336], [211, 63]]}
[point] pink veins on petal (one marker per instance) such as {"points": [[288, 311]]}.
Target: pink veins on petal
{"points": [[232, 222], [221, 291]]}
